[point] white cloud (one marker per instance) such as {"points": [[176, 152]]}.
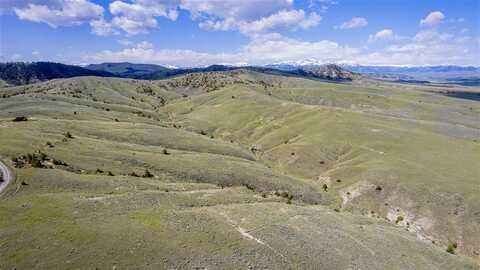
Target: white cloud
{"points": [[246, 10], [35, 53], [249, 16], [427, 47], [385, 34], [431, 35], [355, 22], [66, 13], [263, 49], [125, 42], [140, 15], [102, 28], [281, 19], [433, 18], [16, 57]]}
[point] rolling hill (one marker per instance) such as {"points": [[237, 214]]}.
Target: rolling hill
{"points": [[239, 169]]}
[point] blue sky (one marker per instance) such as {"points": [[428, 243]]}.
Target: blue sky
{"points": [[203, 32]]}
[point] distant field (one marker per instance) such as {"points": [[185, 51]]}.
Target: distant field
{"points": [[239, 169]]}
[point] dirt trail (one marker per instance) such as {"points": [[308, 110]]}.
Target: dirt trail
{"points": [[7, 176]]}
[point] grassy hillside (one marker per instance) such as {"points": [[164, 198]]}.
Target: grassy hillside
{"points": [[238, 169]]}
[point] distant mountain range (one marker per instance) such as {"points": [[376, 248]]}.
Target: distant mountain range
{"points": [[469, 76], [24, 73]]}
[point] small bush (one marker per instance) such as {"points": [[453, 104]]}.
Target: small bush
{"points": [[378, 188], [68, 135], [49, 144], [165, 152], [109, 173], [339, 180], [399, 219], [20, 119], [325, 187], [451, 248], [148, 174]]}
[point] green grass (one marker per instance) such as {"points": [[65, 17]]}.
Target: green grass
{"points": [[210, 197]]}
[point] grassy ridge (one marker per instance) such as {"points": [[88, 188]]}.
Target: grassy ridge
{"points": [[238, 167]]}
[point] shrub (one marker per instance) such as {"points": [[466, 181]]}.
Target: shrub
{"points": [[378, 188], [451, 248], [399, 219], [165, 152], [339, 180], [49, 144], [325, 187], [109, 173], [250, 187], [148, 174], [20, 119], [68, 135]]}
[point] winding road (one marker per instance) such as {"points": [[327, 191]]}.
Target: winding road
{"points": [[7, 176]]}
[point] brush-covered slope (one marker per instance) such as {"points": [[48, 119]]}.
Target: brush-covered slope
{"points": [[236, 170], [127, 70]]}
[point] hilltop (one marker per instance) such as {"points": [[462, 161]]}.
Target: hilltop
{"points": [[239, 169]]}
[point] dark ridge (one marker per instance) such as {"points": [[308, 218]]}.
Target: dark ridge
{"points": [[463, 95], [18, 73]]}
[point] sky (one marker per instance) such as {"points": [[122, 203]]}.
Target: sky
{"points": [[187, 33]]}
